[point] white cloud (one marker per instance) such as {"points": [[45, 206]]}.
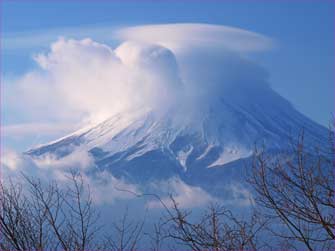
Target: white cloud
{"points": [[70, 53], [11, 160], [183, 36], [104, 187], [187, 196], [15, 41], [82, 80], [25, 129], [184, 195], [79, 159], [170, 35], [241, 196], [85, 79], [107, 189]]}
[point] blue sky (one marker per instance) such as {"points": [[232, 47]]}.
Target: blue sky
{"points": [[301, 65]]}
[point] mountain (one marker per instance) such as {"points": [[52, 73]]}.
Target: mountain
{"points": [[207, 147]]}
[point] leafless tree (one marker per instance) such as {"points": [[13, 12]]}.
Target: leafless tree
{"points": [[295, 192], [126, 234], [217, 229], [46, 216], [298, 189], [158, 236], [37, 216]]}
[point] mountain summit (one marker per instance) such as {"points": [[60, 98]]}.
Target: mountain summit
{"points": [[195, 111], [206, 148]]}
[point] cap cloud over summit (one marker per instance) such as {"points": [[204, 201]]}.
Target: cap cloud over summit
{"points": [[154, 66]]}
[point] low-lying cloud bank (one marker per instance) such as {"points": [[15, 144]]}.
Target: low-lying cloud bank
{"points": [[184, 196], [106, 189]]}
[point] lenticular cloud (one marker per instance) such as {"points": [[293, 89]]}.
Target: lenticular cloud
{"points": [[181, 37], [154, 67]]}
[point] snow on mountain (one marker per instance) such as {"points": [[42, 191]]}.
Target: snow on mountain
{"points": [[205, 148], [195, 113]]}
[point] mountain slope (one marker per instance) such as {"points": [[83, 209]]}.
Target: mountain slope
{"points": [[206, 147]]}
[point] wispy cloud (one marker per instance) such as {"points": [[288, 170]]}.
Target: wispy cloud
{"points": [[38, 129], [104, 187], [190, 196], [184, 195], [43, 38], [184, 36]]}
